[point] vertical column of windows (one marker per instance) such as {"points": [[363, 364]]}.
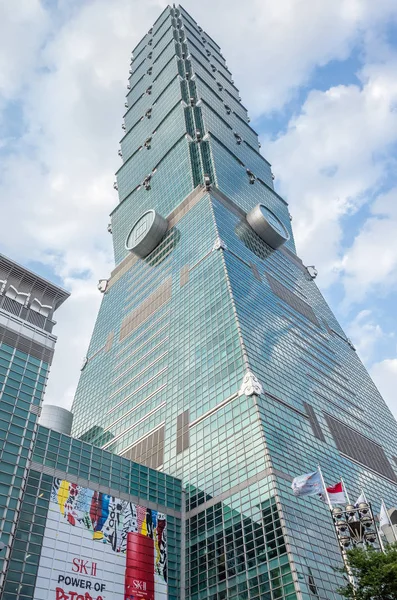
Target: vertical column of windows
{"points": [[24, 378], [249, 554], [199, 153]]}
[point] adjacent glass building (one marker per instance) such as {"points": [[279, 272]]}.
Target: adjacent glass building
{"points": [[215, 357], [27, 306], [76, 521], [79, 503]]}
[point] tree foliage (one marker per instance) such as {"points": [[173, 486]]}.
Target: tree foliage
{"points": [[375, 574]]}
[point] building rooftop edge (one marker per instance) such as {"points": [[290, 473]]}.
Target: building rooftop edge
{"points": [[50, 405], [61, 293]]}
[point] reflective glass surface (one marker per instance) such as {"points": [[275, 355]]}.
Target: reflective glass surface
{"points": [[73, 460], [179, 331], [22, 381]]}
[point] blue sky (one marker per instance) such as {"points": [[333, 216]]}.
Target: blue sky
{"points": [[318, 79]]}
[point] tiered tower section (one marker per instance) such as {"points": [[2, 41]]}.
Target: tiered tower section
{"points": [[184, 122]]}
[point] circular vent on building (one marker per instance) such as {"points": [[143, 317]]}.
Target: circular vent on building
{"points": [[146, 234], [269, 228]]}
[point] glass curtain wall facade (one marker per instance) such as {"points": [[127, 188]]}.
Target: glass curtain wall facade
{"points": [[27, 305], [214, 356], [34, 563]]}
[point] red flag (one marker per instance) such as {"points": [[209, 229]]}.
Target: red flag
{"points": [[336, 493]]}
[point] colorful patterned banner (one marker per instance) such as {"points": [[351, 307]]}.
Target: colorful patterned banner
{"points": [[84, 529]]}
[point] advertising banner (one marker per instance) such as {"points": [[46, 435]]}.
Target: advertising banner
{"points": [[98, 547]]}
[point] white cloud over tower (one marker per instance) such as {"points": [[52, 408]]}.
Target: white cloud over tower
{"points": [[65, 75]]}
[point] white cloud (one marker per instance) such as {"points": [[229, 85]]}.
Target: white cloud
{"points": [[370, 264], [272, 47], [367, 335], [75, 321], [23, 26], [332, 156], [384, 374]]}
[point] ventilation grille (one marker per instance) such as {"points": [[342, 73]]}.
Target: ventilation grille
{"points": [[26, 345], [255, 272], [150, 451], [184, 275], [17, 309], [109, 341], [182, 432], [360, 448], [12, 306], [290, 298], [315, 425], [36, 319]]}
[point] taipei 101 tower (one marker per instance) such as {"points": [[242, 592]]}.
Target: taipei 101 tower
{"points": [[214, 357]]}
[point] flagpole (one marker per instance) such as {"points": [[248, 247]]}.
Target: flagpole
{"points": [[325, 488], [389, 519], [342, 550], [377, 529], [345, 490]]}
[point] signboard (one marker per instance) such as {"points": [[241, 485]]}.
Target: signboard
{"points": [[98, 547]]}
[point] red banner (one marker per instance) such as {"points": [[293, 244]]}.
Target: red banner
{"points": [[139, 572]]}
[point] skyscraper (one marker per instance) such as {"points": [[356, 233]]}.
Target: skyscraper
{"points": [[27, 306], [214, 356]]}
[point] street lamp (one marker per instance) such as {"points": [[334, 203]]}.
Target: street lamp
{"points": [[355, 526]]}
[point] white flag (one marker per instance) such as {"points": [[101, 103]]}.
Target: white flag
{"points": [[360, 499], [309, 484], [383, 516]]}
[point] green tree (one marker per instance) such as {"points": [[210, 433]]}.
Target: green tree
{"points": [[375, 574]]}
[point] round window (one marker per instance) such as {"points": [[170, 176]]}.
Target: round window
{"points": [[269, 227], [273, 221], [146, 234]]}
